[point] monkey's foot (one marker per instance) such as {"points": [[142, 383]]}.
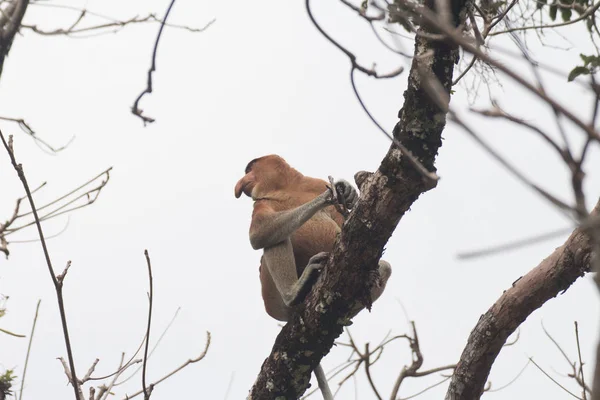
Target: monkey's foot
{"points": [[318, 259]]}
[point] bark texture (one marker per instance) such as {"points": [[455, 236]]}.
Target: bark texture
{"points": [[10, 21], [385, 197], [552, 276]]}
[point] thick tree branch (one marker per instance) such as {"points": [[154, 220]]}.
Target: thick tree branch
{"points": [[552, 276], [386, 196]]}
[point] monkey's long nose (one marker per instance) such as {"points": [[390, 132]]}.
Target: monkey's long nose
{"points": [[239, 187]]}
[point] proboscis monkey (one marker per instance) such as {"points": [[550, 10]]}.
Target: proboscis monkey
{"points": [[295, 223]]}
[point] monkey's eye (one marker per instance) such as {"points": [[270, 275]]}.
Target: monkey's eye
{"points": [[249, 166]]}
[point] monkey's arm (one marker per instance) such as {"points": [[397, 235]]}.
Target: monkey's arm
{"points": [[270, 227]]}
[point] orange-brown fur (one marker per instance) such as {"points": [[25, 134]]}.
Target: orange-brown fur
{"points": [[275, 186]]}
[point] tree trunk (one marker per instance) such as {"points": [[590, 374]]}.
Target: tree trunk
{"points": [[10, 21], [385, 197]]}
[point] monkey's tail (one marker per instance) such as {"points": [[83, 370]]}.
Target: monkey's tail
{"points": [[323, 385]]}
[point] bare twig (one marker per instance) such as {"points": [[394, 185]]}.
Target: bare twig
{"points": [[430, 177], [556, 344], [57, 285], [35, 317], [109, 27], [426, 389], [135, 109], [579, 377], [90, 371], [176, 370], [11, 333], [89, 197], [513, 170], [413, 369], [70, 377], [147, 391], [513, 380], [162, 335], [592, 221], [362, 12], [513, 245], [553, 380], [456, 37], [497, 112], [368, 371], [106, 390], [25, 127], [348, 53], [588, 12]]}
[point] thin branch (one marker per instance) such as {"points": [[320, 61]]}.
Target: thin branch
{"points": [[11, 333], [426, 389], [57, 285], [513, 245], [431, 18], [147, 391], [386, 45], [135, 109], [70, 377], [513, 170], [348, 53], [37, 309], [106, 173], [90, 371], [162, 335], [553, 380], [588, 12], [580, 372], [368, 372], [362, 12], [508, 344], [413, 369], [90, 196], [556, 344], [497, 112], [464, 72], [54, 235], [593, 221], [513, 380], [176, 370], [107, 389], [27, 129], [430, 177], [112, 27]]}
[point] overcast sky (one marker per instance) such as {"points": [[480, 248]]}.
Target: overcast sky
{"points": [[262, 80]]}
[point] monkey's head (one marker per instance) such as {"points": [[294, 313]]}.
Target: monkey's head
{"points": [[263, 175]]}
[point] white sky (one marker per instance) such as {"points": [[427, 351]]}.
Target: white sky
{"points": [[261, 80]]}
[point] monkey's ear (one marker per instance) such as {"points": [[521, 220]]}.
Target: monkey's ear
{"points": [[361, 178]]}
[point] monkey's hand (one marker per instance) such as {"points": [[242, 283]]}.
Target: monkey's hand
{"points": [[307, 279], [343, 193]]}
